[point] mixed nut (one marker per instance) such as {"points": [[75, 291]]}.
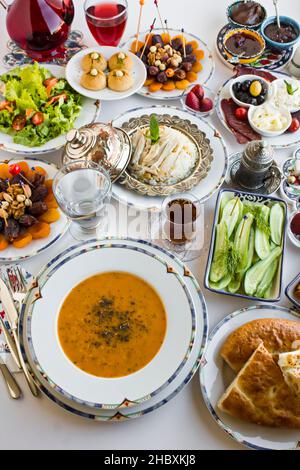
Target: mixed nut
{"points": [[26, 204]]}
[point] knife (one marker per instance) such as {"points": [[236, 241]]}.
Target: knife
{"points": [[10, 381], [12, 317]]}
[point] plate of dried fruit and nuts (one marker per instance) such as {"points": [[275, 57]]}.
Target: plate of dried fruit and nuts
{"points": [[173, 60], [30, 220]]}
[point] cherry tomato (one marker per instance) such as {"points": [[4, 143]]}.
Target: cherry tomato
{"points": [[15, 169], [19, 123], [241, 114], [295, 125], [37, 119]]}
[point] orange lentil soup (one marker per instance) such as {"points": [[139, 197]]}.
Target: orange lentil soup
{"points": [[112, 324]]}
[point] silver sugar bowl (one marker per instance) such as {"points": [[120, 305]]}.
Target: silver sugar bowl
{"points": [[256, 162], [101, 143]]}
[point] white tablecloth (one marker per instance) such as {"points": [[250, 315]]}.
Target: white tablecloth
{"points": [[184, 423]]}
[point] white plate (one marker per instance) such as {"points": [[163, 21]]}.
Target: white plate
{"points": [[74, 72], [89, 113], [286, 140], [58, 228], [207, 187], [214, 375], [203, 77], [182, 378], [143, 384]]}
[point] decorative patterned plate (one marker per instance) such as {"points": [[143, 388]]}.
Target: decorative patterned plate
{"points": [[16, 56], [58, 229], [287, 140], [271, 184], [89, 113], [87, 389], [203, 77], [197, 138], [270, 60], [215, 377], [207, 186], [179, 382], [290, 191]]}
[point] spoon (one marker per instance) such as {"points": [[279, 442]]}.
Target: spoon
{"points": [[277, 13]]}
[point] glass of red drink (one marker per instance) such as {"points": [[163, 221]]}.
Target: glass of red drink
{"points": [[106, 20]]}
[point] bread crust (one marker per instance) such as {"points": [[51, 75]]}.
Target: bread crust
{"points": [[260, 395], [277, 335]]}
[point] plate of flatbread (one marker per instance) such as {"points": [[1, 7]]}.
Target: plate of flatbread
{"points": [[250, 377]]}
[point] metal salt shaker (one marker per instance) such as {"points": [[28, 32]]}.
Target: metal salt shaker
{"points": [[256, 162]]}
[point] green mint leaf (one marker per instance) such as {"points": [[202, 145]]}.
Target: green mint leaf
{"points": [[154, 129], [289, 88]]}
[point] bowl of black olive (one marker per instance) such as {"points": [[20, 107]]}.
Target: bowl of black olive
{"points": [[282, 38], [249, 90]]}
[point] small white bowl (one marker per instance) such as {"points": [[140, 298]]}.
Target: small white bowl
{"points": [[242, 79], [274, 87], [266, 133], [208, 93]]}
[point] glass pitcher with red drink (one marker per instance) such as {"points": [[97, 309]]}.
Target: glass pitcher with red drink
{"points": [[106, 20], [39, 27]]}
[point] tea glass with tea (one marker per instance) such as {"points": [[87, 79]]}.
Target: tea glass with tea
{"points": [[181, 225]]}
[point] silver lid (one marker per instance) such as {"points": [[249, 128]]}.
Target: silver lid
{"points": [[258, 156], [101, 143]]}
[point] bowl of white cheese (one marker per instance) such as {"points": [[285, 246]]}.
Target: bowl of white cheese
{"points": [[268, 120], [285, 93]]}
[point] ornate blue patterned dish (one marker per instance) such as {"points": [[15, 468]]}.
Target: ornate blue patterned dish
{"points": [[253, 198], [126, 412], [215, 376], [16, 56], [270, 60]]}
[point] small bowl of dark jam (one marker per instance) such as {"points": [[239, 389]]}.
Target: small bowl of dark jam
{"points": [[247, 14], [294, 228], [281, 38], [243, 46]]}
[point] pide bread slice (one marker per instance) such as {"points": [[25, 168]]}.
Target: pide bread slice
{"points": [[278, 336], [289, 364], [260, 395]]}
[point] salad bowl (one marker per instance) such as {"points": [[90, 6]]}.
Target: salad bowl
{"points": [[88, 112]]}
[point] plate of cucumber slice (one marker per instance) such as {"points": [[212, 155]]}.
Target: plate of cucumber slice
{"points": [[247, 246]]}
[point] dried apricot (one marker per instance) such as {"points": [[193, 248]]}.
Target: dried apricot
{"points": [[199, 54], [22, 240], [49, 198], [150, 39], [182, 85], [3, 242], [51, 216], [136, 46], [24, 167], [170, 73], [40, 230], [166, 38], [192, 76], [4, 171], [149, 81], [197, 67], [39, 169], [169, 86], [155, 86], [194, 45], [49, 184]]}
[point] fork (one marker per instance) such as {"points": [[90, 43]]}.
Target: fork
{"points": [[16, 283]]}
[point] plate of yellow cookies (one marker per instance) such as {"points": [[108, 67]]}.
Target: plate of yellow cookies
{"points": [[105, 73]]}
